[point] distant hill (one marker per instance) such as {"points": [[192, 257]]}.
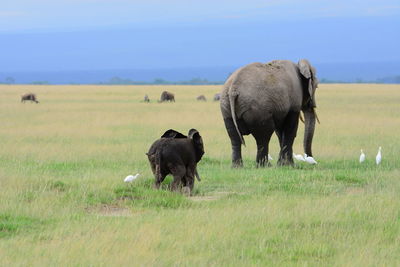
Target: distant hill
{"points": [[373, 72]]}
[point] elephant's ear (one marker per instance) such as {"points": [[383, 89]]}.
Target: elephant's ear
{"points": [[173, 134], [308, 72], [305, 68], [198, 143]]}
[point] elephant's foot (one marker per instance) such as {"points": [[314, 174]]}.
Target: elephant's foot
{"points": [[264, 164], [237, 163], [285, 162], [156, 185], [186, 191]]}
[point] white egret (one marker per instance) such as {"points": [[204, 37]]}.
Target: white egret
{"points": [[379, 156], [131, 178], [362, 156], [309, 160], [299, 157], [269, 157]]}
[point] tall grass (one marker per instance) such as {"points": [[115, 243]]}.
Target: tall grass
{"points": [[63, 200]]}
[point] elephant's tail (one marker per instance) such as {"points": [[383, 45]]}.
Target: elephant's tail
{"points": [[232, 100]]}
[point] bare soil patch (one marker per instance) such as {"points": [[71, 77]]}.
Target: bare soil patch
{"points": [[214, 196]]}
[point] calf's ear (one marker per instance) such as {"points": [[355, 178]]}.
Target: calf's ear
{"points": [[173, 134], [197, 140]]}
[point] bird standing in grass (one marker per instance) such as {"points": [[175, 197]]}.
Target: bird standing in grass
{"points": [[131, 178], [298, 157], [269, 157], [379, 156], [362, 156], [309, 160]]}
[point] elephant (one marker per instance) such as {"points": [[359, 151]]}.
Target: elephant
{"points": [[201, 98], [259, 99], [167, 96], [217, 97], [176, 154], [146, 98], [30, 97]]}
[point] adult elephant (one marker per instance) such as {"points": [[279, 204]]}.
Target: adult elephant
{"points": [[259, 99], [167, 96]]}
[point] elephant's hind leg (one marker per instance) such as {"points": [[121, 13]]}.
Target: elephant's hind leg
{"points": [[262, 139], [178, 172], [236, 143], [190, 173], [289, 131]]}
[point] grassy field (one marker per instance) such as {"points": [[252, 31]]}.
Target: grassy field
{"points": [[63, 201]]}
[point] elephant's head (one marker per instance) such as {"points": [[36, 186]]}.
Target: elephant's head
{"points": [[193, 135], [173, 134], [197, 143], [310, 84]]}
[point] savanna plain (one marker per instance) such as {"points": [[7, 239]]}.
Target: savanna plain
{"points": [[63, 201]]}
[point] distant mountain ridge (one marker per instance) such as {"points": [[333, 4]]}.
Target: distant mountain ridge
{"points": [[375, 72]]}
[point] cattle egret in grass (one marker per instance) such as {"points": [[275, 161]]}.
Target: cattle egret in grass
{"points": [[131, 178], [269, 157], [298, 157], [379, 156], [362, 156], [309, 160]]}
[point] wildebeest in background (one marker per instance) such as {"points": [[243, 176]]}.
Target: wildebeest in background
{"points": [[30, 97], [217, 97], [146, 98], [167, 96], [201, 98]]}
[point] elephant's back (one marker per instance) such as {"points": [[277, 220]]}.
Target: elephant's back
{"points": [[238, 82], [263, 87]]}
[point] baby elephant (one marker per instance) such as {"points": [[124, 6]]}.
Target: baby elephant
{"points": [[176, 154], [167, 96], [30, 97]]}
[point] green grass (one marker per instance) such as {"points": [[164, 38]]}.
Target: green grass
{"points": [[63, 201]]}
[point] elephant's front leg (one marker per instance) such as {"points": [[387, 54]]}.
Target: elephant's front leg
{"points": [[289, 131], [236, 143]]}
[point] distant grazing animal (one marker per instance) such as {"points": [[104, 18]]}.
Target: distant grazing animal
{"points": [[201, 98], [263, 98], [176, 154], [217, 97], [30, 97], [167, 96], [378, 158], [146, 98], [362, 156]]}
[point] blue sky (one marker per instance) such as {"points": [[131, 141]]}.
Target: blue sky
{"points": [[48, 35], [17, 15]]}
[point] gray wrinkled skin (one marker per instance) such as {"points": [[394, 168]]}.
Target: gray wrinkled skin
{"points": [[259, 99]]}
